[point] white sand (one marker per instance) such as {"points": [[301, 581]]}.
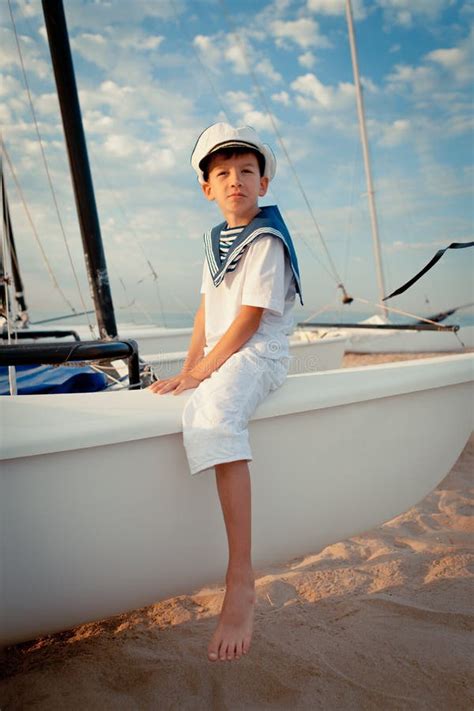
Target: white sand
{"points": [[381, 621]]}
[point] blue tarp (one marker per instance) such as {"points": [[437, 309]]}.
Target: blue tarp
{"points": [[36, 379]]}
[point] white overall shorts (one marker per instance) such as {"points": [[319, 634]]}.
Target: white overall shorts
{"points": [[215, 418]]}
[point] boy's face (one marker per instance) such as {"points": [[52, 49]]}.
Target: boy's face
{"points": [[235, 184]]}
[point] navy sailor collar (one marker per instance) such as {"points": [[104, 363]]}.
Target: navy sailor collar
{"points": [[267, 222]]}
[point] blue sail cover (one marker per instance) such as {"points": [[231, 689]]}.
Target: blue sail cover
{"points": [[41, 379]]}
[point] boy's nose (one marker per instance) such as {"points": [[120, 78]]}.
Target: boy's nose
{"points": [[235, 178]]}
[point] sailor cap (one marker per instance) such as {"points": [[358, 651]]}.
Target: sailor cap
{"points": [[222, 135]]}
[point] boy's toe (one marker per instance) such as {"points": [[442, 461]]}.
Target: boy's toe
{"points": [[213, 651]]}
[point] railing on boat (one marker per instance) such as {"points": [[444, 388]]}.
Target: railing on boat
{"points": [[56, 353], [21, 334]]}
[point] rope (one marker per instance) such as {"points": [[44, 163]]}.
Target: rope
{"points": [[35, 233], [50, 182], [327, 307], [298, 233], [282, 143], [397, 311]]}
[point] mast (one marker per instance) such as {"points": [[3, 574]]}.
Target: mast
{"points": [[368, 172], [96, 266], [10, 245]]}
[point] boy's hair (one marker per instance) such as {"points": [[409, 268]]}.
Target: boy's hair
{"points": [[230, 152]]}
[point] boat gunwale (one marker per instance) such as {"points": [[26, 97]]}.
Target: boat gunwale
{"points": [[82, 420]]}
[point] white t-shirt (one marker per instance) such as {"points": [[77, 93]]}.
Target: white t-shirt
{"points": [[263, 277]]}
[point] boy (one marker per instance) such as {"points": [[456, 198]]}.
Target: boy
{"points": [[239, 347]]}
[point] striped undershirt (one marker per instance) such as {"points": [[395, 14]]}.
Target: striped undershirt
{"points": [[226, 240]]}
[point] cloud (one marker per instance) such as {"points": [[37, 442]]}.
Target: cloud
{"points": [[30, 50], [240, 100], [303, 32], [391, 134], [29, 8], [47, 104], [419, 80], [282, 98], [243, 107], [307, 60], [237, 57], [259, 120], [121, 146], [209, 52], [266, 69], [369, 85], [336, 7], [82, 13], [405, 12], [235, 50], [457, 61], [9, 86], [312, 93]]}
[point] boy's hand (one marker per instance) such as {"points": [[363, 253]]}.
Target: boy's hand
{"points": [[180, 382]]}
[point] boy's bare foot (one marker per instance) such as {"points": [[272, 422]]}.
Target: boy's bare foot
{"points": [[234, 630]]}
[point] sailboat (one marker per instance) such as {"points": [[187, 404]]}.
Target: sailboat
{"points": [[99, 514], [377, 333]]}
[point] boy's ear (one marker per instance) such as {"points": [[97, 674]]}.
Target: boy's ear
{"points": [[263, 186], [207, 190]]}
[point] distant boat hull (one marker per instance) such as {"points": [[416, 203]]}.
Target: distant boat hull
{"points": [[306, 356], [388, 341], [100, 515]]}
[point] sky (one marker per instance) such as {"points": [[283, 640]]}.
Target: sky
{"points": [[153, 74]]}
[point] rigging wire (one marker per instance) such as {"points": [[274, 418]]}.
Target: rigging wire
{"points": [[118, 276], [198, 59], [127, 222], [32, 225], [327, 307], [50, 182], [219, 101], [397, 311], [282, 144]]}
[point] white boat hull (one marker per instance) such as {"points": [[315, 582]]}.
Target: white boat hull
{"points": [[387, 341], [99, 514]]}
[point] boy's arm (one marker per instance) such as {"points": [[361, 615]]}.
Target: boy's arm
{"points": [[241, 329], [198, 339]]}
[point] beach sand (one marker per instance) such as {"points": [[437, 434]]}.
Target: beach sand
{"points": [[380, 621]]}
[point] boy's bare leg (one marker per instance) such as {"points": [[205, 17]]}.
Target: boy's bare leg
{"points": [[234, 631]]}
